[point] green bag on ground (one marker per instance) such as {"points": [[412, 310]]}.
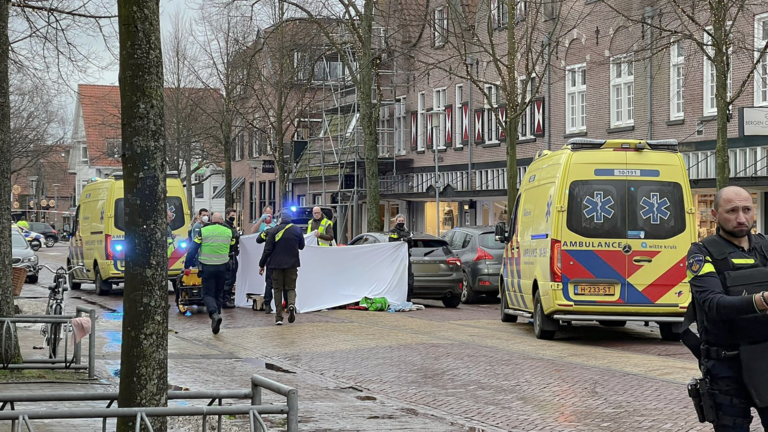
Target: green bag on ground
{"points": [[375, 303]]}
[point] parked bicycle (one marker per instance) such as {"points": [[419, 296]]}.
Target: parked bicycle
{"points": [[52, 332]]}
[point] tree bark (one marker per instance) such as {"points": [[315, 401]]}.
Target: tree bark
{"points": [[510, 128], [227, 140], [6, 252], [720, 63], [369, 117], [144, 356]]}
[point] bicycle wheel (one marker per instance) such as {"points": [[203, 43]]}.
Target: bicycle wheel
{"points": [[54, 334]]}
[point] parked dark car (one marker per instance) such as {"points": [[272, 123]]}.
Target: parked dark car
{"points": [[51, 236], [23, 255], [436, 269], [481, 257], [302, 215]]}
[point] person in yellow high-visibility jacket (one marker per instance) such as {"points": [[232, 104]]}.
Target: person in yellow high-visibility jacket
{"points": [[321, 227]]}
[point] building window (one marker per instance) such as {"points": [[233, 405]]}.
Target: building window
{"points": [[84, 153], [385, 129], [273, 194], [460, 117], [318, 199], [440, 26], [761, 74], [399, 137], [262, 197], [239, 146], [710, 78], [302, 199], [525, 130], [252, 199], [199, 186], [438, 117], [253, 143], [576, 98], [622, 91], [520, 9], [499, 13], [490, 101], [421, 121], [676, 80]]}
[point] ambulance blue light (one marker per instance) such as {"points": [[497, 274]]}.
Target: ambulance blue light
{"points": [[293, 208], [183, 245]]}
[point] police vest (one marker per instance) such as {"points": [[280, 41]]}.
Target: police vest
{"points": [[214, 245], [741, 275], [324, 224]]}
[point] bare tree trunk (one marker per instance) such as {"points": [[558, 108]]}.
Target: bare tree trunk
{"points": [[720, 63], [6, 254], [227, 140], [510, 128], [188, 181], [144, 357], [369, 117]]}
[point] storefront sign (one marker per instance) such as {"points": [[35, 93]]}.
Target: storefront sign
{"points": [[754, 121], [268, 166]]}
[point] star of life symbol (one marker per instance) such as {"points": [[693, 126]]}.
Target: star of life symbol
{"points": [[654, 208], [598, 207], [549, 208]]}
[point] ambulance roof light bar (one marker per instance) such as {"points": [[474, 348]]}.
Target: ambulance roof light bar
{"points": [[585, 143]]}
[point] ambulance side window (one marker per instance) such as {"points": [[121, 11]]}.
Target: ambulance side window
{"points": [[513, 217], [76, 223]]}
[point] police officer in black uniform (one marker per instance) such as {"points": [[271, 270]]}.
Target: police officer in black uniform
{"points": [[400, 233], [234, 252], [728, 275]]}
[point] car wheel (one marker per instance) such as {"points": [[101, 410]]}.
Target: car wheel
{"points": [[612, 323], [467, 294], [668, 332], [35, 245], [505, 317], [452, 301], [539, 320], [32, 279], [102, 288], [71, 278], [50, 241]]}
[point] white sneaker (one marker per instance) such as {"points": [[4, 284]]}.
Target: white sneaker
{"points": [[279, 323]]}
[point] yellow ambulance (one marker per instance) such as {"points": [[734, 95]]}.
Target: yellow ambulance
{"points": [[98, 239], [600, 232]]}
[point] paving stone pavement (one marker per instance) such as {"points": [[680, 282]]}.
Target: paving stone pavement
{"points": [[434, 370]]}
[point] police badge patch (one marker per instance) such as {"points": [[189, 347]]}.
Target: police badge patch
{"points": [[695, 263]]}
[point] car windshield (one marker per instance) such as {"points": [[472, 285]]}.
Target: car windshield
{"points": [[303, 215], [19, 242], [488, 241]]}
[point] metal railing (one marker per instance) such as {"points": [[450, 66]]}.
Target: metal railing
{"points": [[74, 363], [254, 410]]}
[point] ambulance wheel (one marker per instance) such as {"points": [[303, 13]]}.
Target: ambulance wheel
{"points": [[102, 288], [35, 245], [505, 317], [452, 301], [71, 278], [668, 332], [182, 308], [540, 320]]}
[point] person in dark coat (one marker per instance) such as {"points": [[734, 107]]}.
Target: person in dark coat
{"points": [[260, 239], [400, 233], [282, 251], [232, 265]]}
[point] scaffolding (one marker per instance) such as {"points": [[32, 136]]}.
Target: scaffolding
{"points": [[335, 152]]}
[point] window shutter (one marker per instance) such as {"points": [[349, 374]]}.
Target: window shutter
{"points": [[479, 126], [414, 130], [448, 125], [429, 130], [501, 130], [465, 123], [494, 13], [433, 23]]}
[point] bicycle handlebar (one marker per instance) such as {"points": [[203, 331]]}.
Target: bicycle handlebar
{"points": [[44, 266]]}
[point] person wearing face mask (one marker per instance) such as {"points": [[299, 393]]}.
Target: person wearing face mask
{"points": [[202, 220], [400, 233], [232, 265]]}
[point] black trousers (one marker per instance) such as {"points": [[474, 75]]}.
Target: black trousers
{"points": [[285, 282], [214, 277], [733, 402], [268, 294], [229, 284], [410, 281]]}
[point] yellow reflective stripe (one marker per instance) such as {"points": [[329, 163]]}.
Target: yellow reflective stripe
{"points": [[707, 268], [743, 260], [280, 234], [394, 235], [198, 240]]}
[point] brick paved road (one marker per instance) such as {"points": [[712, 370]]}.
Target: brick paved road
{"points": [[433, 370]]}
